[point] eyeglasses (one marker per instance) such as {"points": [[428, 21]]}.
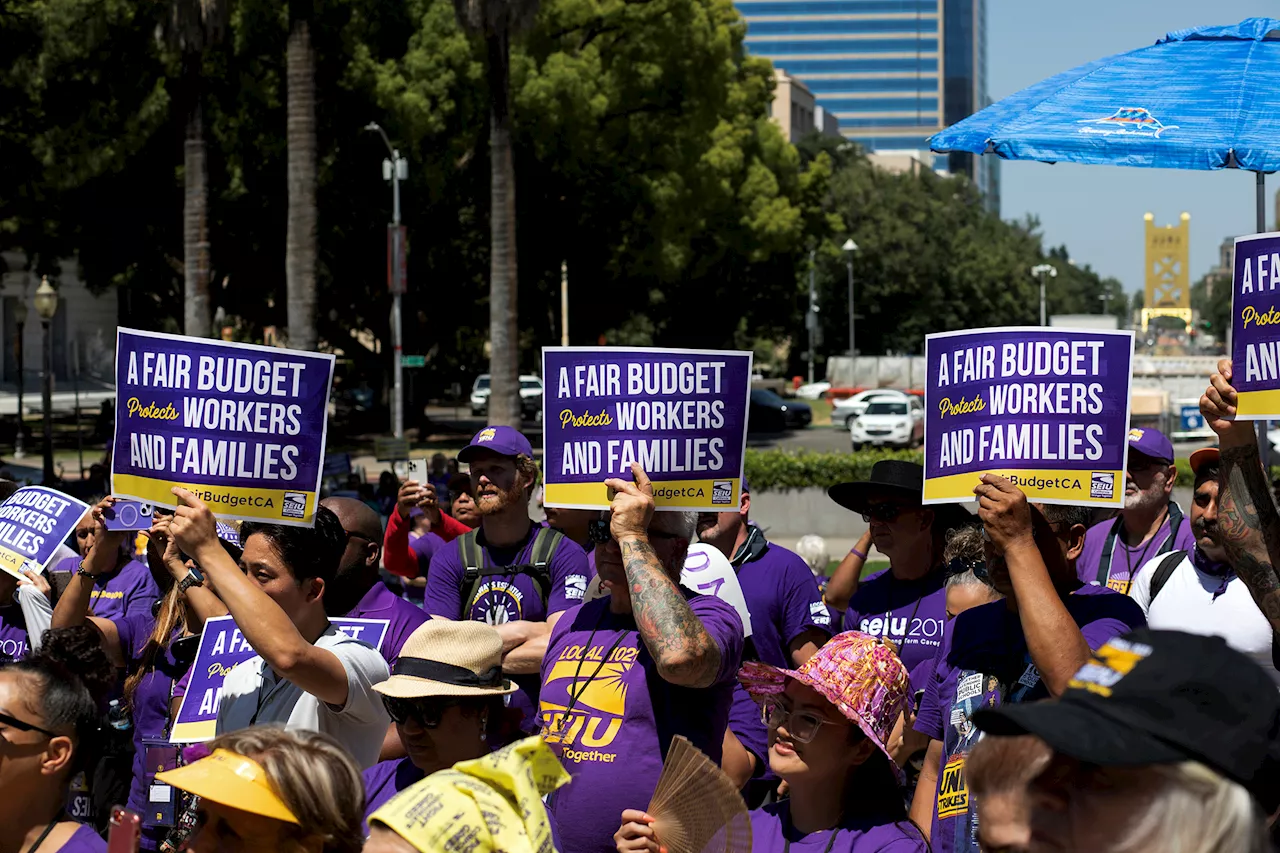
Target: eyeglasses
{"points": [[801, 725], [960, 565], [15, 723], [883, 512], [427, 710], [598, 532]]}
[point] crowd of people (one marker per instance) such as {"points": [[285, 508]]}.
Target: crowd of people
{"points": [[1017, 679]]}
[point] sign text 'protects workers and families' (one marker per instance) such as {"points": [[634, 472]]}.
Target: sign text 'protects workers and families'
{"points": [[1255, 326]]}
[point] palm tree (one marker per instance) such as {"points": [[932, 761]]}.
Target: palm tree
{"points": [[300, 236], [192, 27], [497, 21]]}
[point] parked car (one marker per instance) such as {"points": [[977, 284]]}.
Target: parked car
{"points": [[771, 413], [889, 423], [812, 391], [844, 411], [530, 397]]}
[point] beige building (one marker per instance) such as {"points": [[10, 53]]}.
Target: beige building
{"points": [[793, 107], [902, 162]]}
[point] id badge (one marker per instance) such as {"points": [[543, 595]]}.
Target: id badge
{"points": [[158, 756]]}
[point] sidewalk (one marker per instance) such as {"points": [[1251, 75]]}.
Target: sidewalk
{"points": [[92, 393]]}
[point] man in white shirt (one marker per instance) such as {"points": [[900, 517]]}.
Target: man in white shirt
{"points": [[1197, 591], [307, 674]]}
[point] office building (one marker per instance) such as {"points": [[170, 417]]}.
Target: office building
{"points": [[893, 72], [793, 108]]}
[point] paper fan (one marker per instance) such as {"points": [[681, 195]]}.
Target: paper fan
{"points": [[695, 806]]}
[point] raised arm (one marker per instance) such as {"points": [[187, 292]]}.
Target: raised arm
{"points": [[684, 651], [268, 629], [844, 581], [1247, 519], [73, 605]]}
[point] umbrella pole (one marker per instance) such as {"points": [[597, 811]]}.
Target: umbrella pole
{"points": [[1264, 445]]}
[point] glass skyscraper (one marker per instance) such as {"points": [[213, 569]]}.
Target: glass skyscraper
{"points": [[893, 72]]}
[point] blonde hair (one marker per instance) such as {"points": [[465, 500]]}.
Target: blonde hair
{"points": [[528, 468], [812, 548], [1191, 808], [171, 617], [314, 775]]}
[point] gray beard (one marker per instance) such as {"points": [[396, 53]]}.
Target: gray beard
{"points": [[1145, 500]]}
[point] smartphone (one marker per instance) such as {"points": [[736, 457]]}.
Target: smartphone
{"points": [[125, 829], [418, 471], [128, 515]]}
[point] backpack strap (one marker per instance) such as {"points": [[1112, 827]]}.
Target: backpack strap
{"points": [[473, 566], [1164, 571], [476, 567]]}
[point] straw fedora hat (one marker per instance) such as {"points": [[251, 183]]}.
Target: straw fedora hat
{"points": [[444, 658]]}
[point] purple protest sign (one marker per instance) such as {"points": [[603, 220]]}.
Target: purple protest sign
{"points": [[241, 426], [680, 414], [34, 521], [1255, 326], [1047, 408], [222, 646]]}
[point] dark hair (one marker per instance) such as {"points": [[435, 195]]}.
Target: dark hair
{"points": [[1068, 516], [459, 483], [7, 488], [308, 552], [75, 677], [1207, 471]]}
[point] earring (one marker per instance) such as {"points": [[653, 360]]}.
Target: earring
{"points": [[484, 726]]}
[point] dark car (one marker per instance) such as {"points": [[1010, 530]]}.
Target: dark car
{"points": [[771, 413]]}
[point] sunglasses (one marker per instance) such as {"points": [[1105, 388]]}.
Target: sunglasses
{"points": [[883, 512], [427, 711], [15, 723], [960, 565], [598, 532], [801, 725]]}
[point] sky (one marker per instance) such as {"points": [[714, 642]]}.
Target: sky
{"points": [[1096, 211]]}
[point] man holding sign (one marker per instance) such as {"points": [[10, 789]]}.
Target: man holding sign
{"points": [[307, 674]]}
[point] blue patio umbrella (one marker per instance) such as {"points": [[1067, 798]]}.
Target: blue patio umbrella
{"points": [[1201, 98]]}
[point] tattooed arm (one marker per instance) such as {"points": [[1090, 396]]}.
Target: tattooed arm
{"points": [[1248, 522], [685, 652]]}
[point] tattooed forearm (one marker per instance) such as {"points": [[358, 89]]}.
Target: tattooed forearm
{"points": [[684, 651], [1250, 527]]}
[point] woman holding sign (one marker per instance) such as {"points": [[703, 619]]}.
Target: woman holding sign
{"points": [[150, 649]]}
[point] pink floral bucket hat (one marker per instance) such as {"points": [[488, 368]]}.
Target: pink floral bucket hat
{"points": [[856, 672]]}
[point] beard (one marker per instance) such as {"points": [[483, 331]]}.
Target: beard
{"points": [[496, 500], [1150, 499]]}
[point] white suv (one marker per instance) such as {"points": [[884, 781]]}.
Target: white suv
{"points": [[530, 396], [889, 422]]}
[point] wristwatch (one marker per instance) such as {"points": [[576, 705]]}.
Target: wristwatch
{"points": [[193, 578]]}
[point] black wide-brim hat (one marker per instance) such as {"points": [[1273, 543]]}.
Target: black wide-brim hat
{"points": [[897, 478]]}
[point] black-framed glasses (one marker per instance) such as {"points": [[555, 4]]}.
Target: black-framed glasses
{"points": [[960, 565], [20, 725], [428, 711], [887, 512], [801, 725]]}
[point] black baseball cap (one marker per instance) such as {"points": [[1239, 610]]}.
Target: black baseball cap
{"points": [[1161, 697]]}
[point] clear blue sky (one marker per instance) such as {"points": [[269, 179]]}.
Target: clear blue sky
{"points": [[1096, 211]]}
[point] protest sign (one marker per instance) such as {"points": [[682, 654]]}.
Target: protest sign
{"points": [[709, 572], [222, 646], [1255, 326], [242, 426], [34, 521], [680, 414], [1047, 408]]}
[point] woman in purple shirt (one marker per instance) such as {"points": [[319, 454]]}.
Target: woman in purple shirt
{"points": [[145, 647], [50, 705], [829, 725]]}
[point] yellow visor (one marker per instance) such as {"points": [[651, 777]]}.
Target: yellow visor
{"points": [[230, 780]]}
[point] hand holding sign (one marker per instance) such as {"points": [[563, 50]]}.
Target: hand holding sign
{"points": [[632, 506], [1005, 513], [1218, 405], [193, 526]]}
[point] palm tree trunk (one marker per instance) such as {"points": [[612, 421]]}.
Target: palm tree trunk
{"points": [[195, 226], [504, 339], [300, 237]]}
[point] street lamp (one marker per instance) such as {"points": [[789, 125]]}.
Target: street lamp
{"points": [[1041, 270], [20, 320], [811, 318], [849, 248], [46, 300], [394, 171]]}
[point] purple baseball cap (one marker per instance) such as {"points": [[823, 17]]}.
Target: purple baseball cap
{"points": [[1151, 442], [502, 440]]}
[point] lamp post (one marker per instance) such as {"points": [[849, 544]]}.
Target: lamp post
{"points": [[812, 317], [849, 248], [46, 300], [394, 171], [1041, 270], [20, 320]]}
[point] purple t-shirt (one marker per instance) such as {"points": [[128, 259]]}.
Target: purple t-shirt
{"points": [[84, 840], [14, 644], [150, 707], [772, 832], [910, 614], [403, 618], [128, 591], [783, 599], [384, 780], [747, 724], [982, 663], [1126, 560], [610, 716], [424, 547]]}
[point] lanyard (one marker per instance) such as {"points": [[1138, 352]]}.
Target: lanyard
{"points": [[574, 690], [1174, 516], [48, 829], [831, 841]]}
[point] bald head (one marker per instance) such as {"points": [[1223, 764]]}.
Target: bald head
{"points": [[356, 517]]}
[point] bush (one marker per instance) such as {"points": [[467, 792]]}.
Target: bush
{"points": [[781, 470]]}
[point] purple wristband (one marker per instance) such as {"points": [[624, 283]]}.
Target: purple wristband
{"points": [[854, 550]]}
